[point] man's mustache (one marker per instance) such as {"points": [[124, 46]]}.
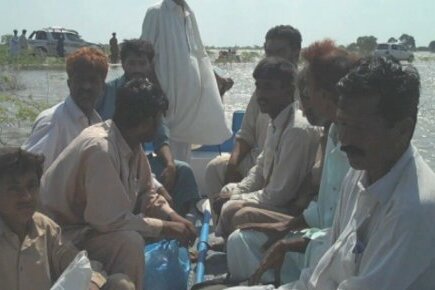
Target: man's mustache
{"points": [[352, 150]]}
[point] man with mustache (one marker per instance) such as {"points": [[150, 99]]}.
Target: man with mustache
{"points": [[33, 253], [289, 153], [137, 59], [382, 235], [57, 126]]}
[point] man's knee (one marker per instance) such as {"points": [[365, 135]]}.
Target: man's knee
{"points": [[129, 243], [243, 216], [118, 282]]}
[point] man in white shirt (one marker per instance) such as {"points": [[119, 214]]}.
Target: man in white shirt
{"points": [[57, 126], [382, 235], [289, 153], [100, 188], [281, 41], [14, 45], [183, 69]]}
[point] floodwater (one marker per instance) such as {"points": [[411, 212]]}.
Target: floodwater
{"points": [[50, 85]]}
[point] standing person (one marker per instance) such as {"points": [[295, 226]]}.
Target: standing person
{"points": [[196, 113], [281, 41], [23, 41], [14, 45], [101, 192], [176, 176], [57, 126], [60, 46], [114, 49]]}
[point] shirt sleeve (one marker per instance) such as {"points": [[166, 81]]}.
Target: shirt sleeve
{"points": [[109, 205], [43, 140], [247, 131], [312, 215], [149, 27], [161, 137]]}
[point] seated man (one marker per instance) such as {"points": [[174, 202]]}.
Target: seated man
{"points": [[176, 176], [100, 188], [281, 41], [289, 154], [382, 235], [32, 253], [56, 127], [319, 100]]}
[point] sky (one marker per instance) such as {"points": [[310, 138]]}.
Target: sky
{"points": [[232, 22]]}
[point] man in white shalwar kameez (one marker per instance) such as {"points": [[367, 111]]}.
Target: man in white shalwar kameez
{"points": [[382, 236], [196, 113], [56, 127]]}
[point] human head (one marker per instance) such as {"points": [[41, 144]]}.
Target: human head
{"points": [[377, 112], [283, 41], [15, 32], [139, 108], [274, 84], [20, 173], [137, 57], [113, 33], [24, 31], [87, 69], [326, 64]]}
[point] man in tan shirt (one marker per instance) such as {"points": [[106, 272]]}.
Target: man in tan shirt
{"points": [[100, 188], [32, 253]]}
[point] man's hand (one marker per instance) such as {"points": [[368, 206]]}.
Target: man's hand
{"points": [[232, 174], [180, 231], [163, 192], [219, 200], [93, 286], [168, 176], [273, 259], [274, 231]]}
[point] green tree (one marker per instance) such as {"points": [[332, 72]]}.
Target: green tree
{"points": [[366, 44], [432, 46], [352, 47], [392, 40], [408, 40]]}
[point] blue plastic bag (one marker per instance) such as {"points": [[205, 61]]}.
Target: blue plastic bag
{"points": [[167, 266]]}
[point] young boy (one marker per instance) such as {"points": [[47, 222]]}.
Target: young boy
{"points": [[32, 254]]}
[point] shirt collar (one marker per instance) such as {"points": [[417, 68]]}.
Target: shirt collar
{"points": [[283, 117], [382, 189], [117, 137], [78, 115], [34, 230]]}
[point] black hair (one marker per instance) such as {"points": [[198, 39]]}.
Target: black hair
{"points": [[398, 87], [15, 161], [276, 68], [286, 32], [138, 47], [136, 101]]}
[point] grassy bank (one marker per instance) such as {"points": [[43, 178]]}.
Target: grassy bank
{"points": [[29, 61]]}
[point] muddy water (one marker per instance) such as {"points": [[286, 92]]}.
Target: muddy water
{"points": [[50, 85]]}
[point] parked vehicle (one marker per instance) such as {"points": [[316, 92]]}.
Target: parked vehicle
{"points": [[43, 42], [395, 50]]}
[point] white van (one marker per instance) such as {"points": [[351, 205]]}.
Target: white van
{"points": [[395, 50]]}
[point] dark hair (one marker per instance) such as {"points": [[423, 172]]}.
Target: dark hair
{"points": [[138, 47], [276, 68], [24, 31], [327, 64], [16, 161], [397, 86], [136, 101], [286, 32], [87, 59]]}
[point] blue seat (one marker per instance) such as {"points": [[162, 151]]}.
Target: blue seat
{"points": [[227, 146]]}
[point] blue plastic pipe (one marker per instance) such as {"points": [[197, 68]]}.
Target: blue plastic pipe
{"points": [[203, 247]]}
